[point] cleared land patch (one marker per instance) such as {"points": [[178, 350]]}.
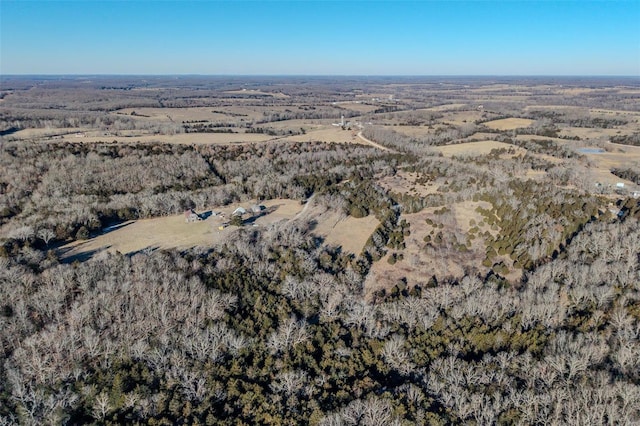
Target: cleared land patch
{"points": [[441, 254], [447, 107], [588, 132], [347, 232], [253, 92], [182, 138], [325, 134], [508, 123], [477, 148], [407, 183], [174, 232], [616, 156]]}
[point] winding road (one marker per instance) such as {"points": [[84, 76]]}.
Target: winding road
{"points": [[372, 143]]}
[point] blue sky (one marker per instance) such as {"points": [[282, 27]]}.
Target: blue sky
{"points": [[321, 37]]}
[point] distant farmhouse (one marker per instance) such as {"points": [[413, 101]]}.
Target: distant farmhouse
{"points": [[191, 216]]}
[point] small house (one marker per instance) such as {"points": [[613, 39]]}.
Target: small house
{"points": [[239, 211], [191, 216], [257, 208]]}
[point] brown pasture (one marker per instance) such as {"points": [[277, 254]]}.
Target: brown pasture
{"points": [[508, 123], [476, 148], [173, 232], [419, 265]]}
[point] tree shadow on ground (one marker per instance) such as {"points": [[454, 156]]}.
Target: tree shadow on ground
{"points": [[82, 256]]}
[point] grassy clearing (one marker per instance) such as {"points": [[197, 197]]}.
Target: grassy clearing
{"points": [[406, 183], [509, 123], [347, 232], [173, 232], [182, 138], [419, 263], [477, 148]]}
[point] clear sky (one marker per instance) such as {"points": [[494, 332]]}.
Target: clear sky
{"points": [[321, 37]]}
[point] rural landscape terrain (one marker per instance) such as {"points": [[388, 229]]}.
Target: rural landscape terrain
{"points": [[319, 250]]}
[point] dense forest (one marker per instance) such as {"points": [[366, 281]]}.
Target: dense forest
{"points": [[273, 325]]}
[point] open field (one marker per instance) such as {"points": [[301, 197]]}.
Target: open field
{"points": [[616, 156], [420, 262], [347, 232], [182, 138], [478, 148], [360, 107], [252, 92], [460, 118], [178, 115], [406, 182], [174, 232], [415, 131], [446, 107], [585, 133], [508, 123]]}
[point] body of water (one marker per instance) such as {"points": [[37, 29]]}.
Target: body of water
{"points": [[591, 150]]}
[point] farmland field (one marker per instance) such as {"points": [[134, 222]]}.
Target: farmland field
{"points": [[509, 123], [477, 148]]}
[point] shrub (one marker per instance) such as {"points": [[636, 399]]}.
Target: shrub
{"points": [[82, 234]]}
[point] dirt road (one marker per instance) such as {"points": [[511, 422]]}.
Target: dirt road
{"points": [[372, 143]]}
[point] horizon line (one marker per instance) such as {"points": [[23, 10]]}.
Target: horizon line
{"points": [[2, 75]]}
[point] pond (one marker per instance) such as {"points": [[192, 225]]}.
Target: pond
{"points": [[590, 150]]}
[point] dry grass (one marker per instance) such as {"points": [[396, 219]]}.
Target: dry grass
{"points": [[477, 148], [459, 118], [414, 131], [358, 106], [324, 133], [250, 92], [173, 232], [347, 232], [175, 115], [406, 183], [589, 133], [616, 156], [418, 265], [27, 134], [448, 107], [182, 138], [509, 123]]}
